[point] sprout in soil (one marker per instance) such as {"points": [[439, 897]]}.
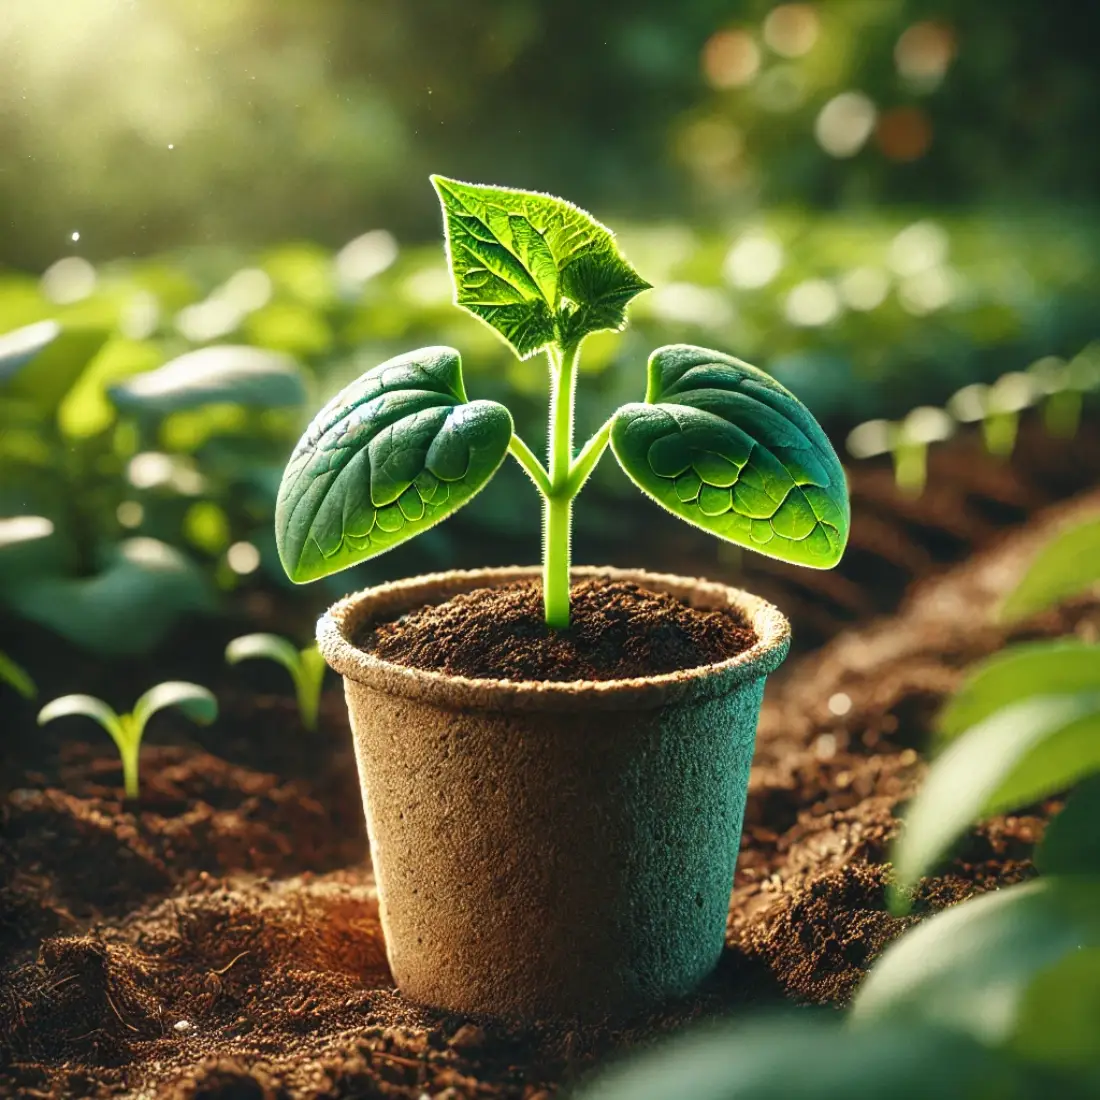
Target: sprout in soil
{"points": [[306, 667], [907, 440], [716, 441], [126, 730], [998, 407], [17, 677]]}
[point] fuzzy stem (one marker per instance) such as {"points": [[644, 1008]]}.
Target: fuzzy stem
{"points": [[558, 508]]}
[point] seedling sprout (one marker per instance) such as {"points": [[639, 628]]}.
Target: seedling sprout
{"points": [[306, 667]]}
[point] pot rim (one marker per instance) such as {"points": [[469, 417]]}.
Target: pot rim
{"points": [[695, 685]]}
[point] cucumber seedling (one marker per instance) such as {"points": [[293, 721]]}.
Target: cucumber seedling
{"points": [[716, 441], [126, 730], [306, 667]]}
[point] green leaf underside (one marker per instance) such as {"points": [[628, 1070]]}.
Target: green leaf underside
{"points": [[1064, 568], [391, 455], [536, 269], [722, 445]]}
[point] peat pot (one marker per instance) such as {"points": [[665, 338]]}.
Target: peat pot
{"points": [[551, 850]]}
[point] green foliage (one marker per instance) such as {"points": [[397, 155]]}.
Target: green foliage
{"points": [[16, 677], [306, 667], [127, 730], [815, 1058], [390, 456], [724, 446], [535, 268], [1071, 843], [1065, 567], [718, 442]]}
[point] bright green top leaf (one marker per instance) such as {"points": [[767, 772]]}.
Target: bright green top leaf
{"points": [[1065, 567], [1026, 751], [724, 446], [228, 375], [196, 702], [970, 967], [536, 269], [391, 455], [1060, 667]]}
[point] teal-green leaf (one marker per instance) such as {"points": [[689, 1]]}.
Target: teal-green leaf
{"points": [[1060, 667], [1071, 843], [1058, 1020], [1065, 567], [770, 479], [1023, 752], [538, 270], [221, 375], [969, 968], [391, 455], [811, 1058]]}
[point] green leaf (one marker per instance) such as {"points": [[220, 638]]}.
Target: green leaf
{"points": [[969, 968], [391, 455], [799, 1058], [722, 445], [142, 589], [536, 269], [17, 677], [1065, 567], [87, 706], [196, 702], [223, 375], [1060, 667], [1071, 843], [53, 359], [1059, 1015], [19, 347], [1024, 752], [268, 647]]}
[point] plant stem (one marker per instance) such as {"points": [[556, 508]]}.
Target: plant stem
{"points": [[558, 506], [129, 753], [526, 458]]}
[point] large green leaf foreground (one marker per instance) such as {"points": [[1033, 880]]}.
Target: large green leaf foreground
{"points": [[722, 445], [391, 455]]}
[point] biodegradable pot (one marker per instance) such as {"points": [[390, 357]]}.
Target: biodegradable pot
{"points": [[552, 850]]}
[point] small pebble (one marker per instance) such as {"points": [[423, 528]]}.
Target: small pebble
{"points": [[182, 1025]]}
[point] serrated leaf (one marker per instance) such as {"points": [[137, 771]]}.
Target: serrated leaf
{"points": [[391, 455], [969, 968], [722, 445], [536, 269], [228, 375], [813, 1058], [1023, 752], [1064, 666], [1064, 568]]}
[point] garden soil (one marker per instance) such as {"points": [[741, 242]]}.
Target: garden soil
{"points": [[220, 939]]}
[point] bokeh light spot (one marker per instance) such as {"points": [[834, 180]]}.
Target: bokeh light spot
{"points": [[844, 124], [924, 52], [812, 303], [864, 288], [731, 59], [904, 134], [69, 280], [243, 558], [753, 261], [792, 29]]}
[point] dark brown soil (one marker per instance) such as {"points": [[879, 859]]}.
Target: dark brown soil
{"points": [[220, 939], [618, 630]]}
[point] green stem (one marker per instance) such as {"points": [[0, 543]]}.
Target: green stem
{"points": [[129, 748], [526, 458], [590, 455], [558, 507]]}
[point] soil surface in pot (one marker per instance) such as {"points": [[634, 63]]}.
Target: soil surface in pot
{"points": [[220, 937]]}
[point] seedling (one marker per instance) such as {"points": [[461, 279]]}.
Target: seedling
{"points": [[17, 677], [306, 668], [998, 407], [907, 440], [126, 730], [716, 441]]}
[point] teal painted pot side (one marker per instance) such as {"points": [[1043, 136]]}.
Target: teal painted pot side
{"points": [[552, 850]]}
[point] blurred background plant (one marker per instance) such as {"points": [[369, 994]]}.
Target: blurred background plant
{"points": [[218, 213]]}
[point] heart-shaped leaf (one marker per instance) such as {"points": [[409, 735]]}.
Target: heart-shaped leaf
{"points": [[536, 269], [391, 455], [223, 375], [724, 446]]}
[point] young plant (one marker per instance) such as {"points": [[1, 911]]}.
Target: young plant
{"points": [[306, 667], [126, 730], [17, 677], [717, 442]]}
